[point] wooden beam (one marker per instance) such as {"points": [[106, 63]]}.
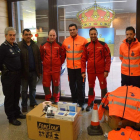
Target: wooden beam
{"points": [[15, 0], [53, 15], [9, 8]]}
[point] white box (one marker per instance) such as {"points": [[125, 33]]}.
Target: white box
{"points": [[63, 106], [60, 115], [72, 107], [70, 116]]}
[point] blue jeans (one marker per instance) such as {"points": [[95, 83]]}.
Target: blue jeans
{"points": [[31, 82]]}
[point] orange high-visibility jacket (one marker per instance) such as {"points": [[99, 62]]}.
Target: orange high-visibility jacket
{"points": [[124, 134], [130, 57], [74, 48], [124, 102]]}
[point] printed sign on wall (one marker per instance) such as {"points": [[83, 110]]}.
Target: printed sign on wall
{"points": [[104, 34]]}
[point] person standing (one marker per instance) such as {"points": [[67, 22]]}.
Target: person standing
{"points": [[31, 68], [10, 66], [53, 56], [74, 46], [97, 55], [130, 57]]}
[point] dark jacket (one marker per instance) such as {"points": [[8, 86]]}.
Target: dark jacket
{"points": [[25, 58], [10, 56], [97, 55]]}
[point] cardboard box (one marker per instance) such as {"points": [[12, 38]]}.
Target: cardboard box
{"points": [[115, 122], [42, 128], [137, 126]]}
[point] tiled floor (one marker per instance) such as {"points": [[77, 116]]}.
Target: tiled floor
{"points": [[10, 132], [1, 95]]}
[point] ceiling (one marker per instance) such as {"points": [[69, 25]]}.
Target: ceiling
{"points": [[119, 6], [72, 7]]}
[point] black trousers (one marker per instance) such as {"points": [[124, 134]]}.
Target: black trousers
{"points": [[130, 80], [11, 90], [77, 86]]}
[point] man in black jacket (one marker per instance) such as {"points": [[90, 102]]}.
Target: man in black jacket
{"points": [[10, 66], [31, 68]]}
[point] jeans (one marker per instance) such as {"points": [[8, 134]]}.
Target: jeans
{"points": [[31, 82]]}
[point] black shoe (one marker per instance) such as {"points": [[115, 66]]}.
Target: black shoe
{"points": [[88, 108], [33, 105], [15, 122], [74, 101], [82, 107], [21, 116], [52, 99], [24, 109], [55, 103]]}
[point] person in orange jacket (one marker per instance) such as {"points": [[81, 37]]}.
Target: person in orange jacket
{"points": [[97, 55], [74, 46], [130, 57], [53, 56]]}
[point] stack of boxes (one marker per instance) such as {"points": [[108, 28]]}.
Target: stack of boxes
{"points": [[66, 111]]}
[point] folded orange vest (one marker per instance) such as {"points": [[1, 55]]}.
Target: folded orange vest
{"points": [[124, 134], [124, 102]]}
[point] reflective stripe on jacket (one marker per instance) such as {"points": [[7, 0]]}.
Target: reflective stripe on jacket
{"points": [[130, 57], [124, 134], [124, 102], [74, 48]]}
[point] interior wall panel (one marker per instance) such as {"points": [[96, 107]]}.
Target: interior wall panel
{"points": [[3, 19], [138, 20]]}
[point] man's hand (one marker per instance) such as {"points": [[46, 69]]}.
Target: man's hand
{"points": [[105, 74], [83, 75]]}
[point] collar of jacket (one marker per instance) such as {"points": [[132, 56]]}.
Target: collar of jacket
{"points": [[51, 42], [75, 36], [135, 41], [32, 42], [7, 43], [95, 41]]}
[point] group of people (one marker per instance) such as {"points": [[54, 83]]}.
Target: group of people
{"points": [[22, 63]]}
